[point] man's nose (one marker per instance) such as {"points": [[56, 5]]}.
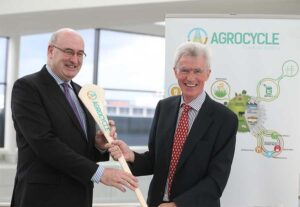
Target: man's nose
{"points": [[75, 59], [191, 75]]}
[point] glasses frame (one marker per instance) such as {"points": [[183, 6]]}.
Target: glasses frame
{"points": [[70, 52], [195, 71]]}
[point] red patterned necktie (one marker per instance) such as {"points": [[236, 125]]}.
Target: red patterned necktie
{"points": [[179, 140]]}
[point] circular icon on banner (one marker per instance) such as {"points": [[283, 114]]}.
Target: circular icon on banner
{"points": [[174, 90], [268, 89], [198, 35], [220, 90], [290, 68]]}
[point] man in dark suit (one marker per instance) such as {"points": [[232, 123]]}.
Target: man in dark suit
{"points": [[57, 150], [191, 142]]}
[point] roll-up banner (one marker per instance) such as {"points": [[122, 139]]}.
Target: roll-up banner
{"points": [[255, 73]]}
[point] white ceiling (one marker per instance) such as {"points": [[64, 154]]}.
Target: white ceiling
{"points": [[21, 17]]}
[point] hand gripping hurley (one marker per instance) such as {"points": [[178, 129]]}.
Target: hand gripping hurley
{"points": [[92, 97]]}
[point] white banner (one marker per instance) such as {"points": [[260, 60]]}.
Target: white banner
{"points": [[255, 73]]}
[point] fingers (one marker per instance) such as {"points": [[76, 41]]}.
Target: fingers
{"points": [[113, 129], [119, 143], [119, 179], [100, 135], [115, 152], [127, 182], [120, 187], [172, 204], [118, 147], [114, 145], [111, 123], [131, 182], [116, 142]]}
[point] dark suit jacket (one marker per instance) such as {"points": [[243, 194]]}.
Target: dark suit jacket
{"points": [[55, 160], [205, 162]]}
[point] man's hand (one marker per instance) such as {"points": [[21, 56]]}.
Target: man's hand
{"points": [[119, 179], [100, 140], [172, 204], [117, 148]]}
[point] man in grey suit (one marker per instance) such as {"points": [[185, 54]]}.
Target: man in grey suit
{"points": [[192, 139], [56, 136]]}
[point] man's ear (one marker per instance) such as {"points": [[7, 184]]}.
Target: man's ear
{"points": [[208, 74], [175, 72], [50, 50]]}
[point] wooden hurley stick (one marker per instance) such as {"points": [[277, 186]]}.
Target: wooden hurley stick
{"points": [[92, 97]]}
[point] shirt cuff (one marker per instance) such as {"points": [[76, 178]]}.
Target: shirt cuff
{"points": [[98, 174]]}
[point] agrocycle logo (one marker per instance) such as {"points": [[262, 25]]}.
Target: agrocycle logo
{"points": [[92, 95], [198, 35], [234, 38]]}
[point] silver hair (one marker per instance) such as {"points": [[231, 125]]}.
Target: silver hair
{"points": [[193, 49], [53, 37]]}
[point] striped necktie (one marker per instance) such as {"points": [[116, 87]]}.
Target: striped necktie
{"points": [[66, 88]]}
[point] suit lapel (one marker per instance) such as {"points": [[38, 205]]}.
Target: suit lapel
{"points": [[197, 132], [89, 119], [166, 144], [58, 96]]}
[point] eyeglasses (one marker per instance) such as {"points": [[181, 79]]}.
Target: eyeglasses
{"points": [[70, 53], [196, 71]]}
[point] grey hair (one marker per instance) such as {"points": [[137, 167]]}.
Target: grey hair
{"points": [[193, 49], [53, 38]]}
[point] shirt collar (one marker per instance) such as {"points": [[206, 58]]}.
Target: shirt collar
{"points": [[56, 78], [197, 102]]}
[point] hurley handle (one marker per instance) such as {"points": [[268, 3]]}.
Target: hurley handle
{"points": [[92, 97]]}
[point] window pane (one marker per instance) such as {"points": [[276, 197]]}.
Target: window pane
{"points": [[2, 114], [138, 99], [133, 130], [132, 112], [33, 55], [3, 58], [131, 70], [86, 73], [131, 61]]}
